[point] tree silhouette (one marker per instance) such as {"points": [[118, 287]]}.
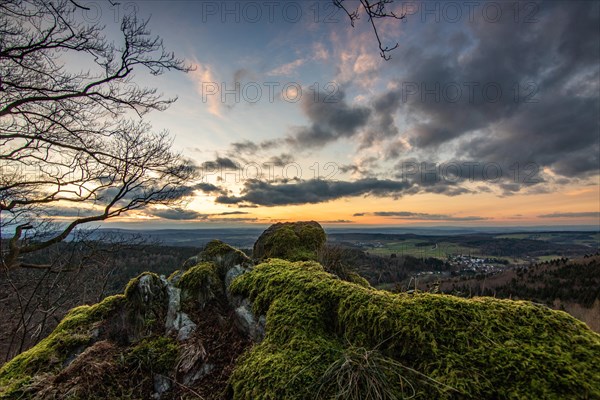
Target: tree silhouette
{"points": [[71, 127]]}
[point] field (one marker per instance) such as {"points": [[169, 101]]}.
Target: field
{"points": [[516, 248]]}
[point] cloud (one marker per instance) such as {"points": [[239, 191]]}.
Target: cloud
{"points": [[331, 118], [234, 219], [287, 69], [382, 124], [248, 147], [181, 214], [207, 86], [319, 52], [208, 188], [311, 191], [589, 214], [240, 74], [178, 214], [408, 215], [221, 163], [58, 211], [530, 97], [279, 161]]}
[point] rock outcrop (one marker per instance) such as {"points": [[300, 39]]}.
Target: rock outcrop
{"points": [[226, 328], [294, 241]]}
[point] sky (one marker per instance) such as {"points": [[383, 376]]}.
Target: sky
{"points": [[487, 113]]}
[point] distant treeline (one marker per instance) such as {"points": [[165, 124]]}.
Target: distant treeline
{"points": [[564, 280]]}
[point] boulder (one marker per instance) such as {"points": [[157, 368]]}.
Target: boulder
{"points": [[293, 241], [223, 255]]}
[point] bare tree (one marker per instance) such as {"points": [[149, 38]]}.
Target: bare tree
{"points": [[71, 132], [374, 10]]}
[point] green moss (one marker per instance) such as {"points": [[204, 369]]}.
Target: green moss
{"points": [[299, 241], [482, 348], [147, 301], [199, 277], [48, 355], [157, 355], [217, 248], [223, 255], [312, 236], [175, 275], [199, 285], [353, 277]]}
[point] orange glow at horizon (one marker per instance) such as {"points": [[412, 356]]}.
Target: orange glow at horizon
{"points": [[478, 209]]}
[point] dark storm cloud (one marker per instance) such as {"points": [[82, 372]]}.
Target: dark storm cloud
{"points": [[590, 214], [311, 191], [331, 118], [448, 176], [382, 124], [279, 161], [72, 212], [420, 216], [178, 214], [245, 147], [296, 191], [208, 188], [550, 118], [248, 147], [221, 163], [108, 194], [181, 214]]}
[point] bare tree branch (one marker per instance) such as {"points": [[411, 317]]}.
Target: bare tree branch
{"points": [[374, 10], [73, 134]]}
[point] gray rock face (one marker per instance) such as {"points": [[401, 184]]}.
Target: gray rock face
{"points": [[233, 273], [148, 288], [253, 326], [161, 385], [177, 321]]}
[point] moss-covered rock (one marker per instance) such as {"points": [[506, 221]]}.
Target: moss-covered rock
{"points": [[221, 253], [147, 304], [294, 241], [200, 284], [437, 346], [76, 331], [156, 355]]}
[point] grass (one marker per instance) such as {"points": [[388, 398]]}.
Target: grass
{"points": [[362, 374], [410, 248]]}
